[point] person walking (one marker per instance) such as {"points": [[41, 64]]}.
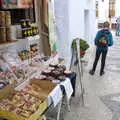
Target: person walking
{"points": [[103, 40], [118, 26]]}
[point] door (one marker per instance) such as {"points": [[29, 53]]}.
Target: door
{"points": [[86, 25]]}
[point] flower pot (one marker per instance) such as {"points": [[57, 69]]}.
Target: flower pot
{"points": [[82, 53]]}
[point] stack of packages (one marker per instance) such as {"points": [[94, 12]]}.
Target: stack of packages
{"points": [[5, 26], [26, 104]]}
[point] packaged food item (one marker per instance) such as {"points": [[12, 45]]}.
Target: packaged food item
{"points": [[24, 32], [28, 32], [67, 72], [2, 34], [25, 114], [8, 34], [24, 54], [2, 18], [7, 19], [28, 23], [53, 65], [46, 72]]}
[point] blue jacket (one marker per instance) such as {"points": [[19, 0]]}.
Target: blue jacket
{"points": [[98, 37]]}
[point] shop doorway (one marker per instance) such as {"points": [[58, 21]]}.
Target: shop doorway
{"points": [[86, 25]]}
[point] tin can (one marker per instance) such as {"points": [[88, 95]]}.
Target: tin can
{"points": [[7, 18], [2, 18], [8, 34], [2, 34]]}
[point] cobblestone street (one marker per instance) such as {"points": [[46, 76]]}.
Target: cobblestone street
{"points": [[102, 94]]}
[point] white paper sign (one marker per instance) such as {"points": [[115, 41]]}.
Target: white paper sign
{"points": [[68, 87], [56, 95]]}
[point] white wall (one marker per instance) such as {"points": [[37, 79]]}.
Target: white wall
{"points": [[70, 19], [62, 22], [81, 26], [103, 10], [117, 6]]}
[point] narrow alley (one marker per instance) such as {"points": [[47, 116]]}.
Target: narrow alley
{"points": [[47, 51], [102, 94]]}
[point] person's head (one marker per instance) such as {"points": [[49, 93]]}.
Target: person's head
{"points": [[106, 25]]}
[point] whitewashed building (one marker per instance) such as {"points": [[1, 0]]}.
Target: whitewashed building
{"points": [[103, 8], [74, 18]]}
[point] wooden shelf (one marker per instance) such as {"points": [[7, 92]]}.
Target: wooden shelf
{"points": [[15, 8], [30, 37], [7, 44]]}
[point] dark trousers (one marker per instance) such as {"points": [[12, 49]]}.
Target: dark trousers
{"points": [[98, 53]]}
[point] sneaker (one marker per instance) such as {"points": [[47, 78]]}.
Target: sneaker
{"points": [[91, 72], [102, 73]]}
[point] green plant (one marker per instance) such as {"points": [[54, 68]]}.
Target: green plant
{"points": [[83, 44]]}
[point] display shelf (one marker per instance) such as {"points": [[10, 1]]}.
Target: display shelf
{"points": [[7, 44], [30, 38], [14, 8]]}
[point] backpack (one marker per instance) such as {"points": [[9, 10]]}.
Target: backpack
{"points": [[103, 41]]}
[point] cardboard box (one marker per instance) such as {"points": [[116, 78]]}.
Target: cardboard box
{"points": [[7, 93], [35, 116], [45, 85], [4, 93]]}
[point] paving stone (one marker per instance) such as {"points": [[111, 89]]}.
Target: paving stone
{"points": [[102, 94], [100, 91]]}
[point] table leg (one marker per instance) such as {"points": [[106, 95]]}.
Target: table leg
{"points": [[59, 109], [68, 105]]}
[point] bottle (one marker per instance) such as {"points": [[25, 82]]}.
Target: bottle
{"points": [[23, 23]]}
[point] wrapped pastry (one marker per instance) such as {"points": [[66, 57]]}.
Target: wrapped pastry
{"points": [[20, 103], [53, 65], [17, 111], [25, 114], [46, 72]]}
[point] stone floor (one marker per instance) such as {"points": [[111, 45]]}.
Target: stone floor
{"points": [[102, 94]]}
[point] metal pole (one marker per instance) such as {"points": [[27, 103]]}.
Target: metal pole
{"points": [[80, 69]]}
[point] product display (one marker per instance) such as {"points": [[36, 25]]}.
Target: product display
{"points": [[29, 81], [28, 28], [30, 102], [55, 72], [22, 104]]}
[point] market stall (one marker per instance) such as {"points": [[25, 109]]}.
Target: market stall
{"points": [[29, 81]]}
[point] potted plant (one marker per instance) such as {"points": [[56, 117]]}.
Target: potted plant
{"points": [[83, 46]]}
